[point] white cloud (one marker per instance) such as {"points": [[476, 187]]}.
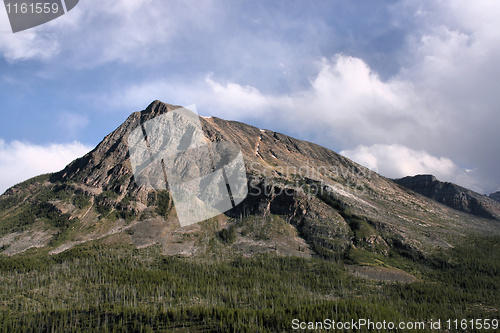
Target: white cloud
{"points": [[20, 160], [25, 45], [223, 100], [97, 32], [352, 101], [133, 31], [236, 97], [443, 101], [396, 161], [345, 102]]}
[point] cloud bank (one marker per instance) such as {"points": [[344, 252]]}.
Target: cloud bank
{"points": [[397, 161], [347, 104], [414, 92], [20, 161]]}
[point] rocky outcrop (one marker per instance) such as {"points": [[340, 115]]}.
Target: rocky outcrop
{"points": [[303, 199], [452, 195], [495, 196]]}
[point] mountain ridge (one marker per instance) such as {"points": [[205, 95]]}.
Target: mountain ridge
{"points": [[304, 200], [452, 195], [495, 196]]}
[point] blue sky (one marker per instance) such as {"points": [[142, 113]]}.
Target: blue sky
{"points": [[403, 87]]}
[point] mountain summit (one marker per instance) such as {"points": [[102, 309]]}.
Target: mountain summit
{"points": [[303, 200], [453, 195], [495, 196]]}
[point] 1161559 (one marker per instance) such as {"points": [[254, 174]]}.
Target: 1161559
{"points": [[32, 8], [472, 324]]}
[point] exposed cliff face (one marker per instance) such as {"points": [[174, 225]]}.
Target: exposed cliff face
{"points": [[452, 195], [303, 199], [495, 196]]}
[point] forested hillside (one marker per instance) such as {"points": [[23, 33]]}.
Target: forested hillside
{"points": [[95, 288]]}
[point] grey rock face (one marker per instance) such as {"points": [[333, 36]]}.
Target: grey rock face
{"points": [[452, 195], [303, 199], [495, 196]]}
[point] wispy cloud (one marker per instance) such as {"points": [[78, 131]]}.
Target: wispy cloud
{"points": [[71, 123], [107, 31], [25, 45]]}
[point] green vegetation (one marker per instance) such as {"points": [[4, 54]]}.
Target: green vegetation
{"points": [[8, 202], [23, 217], [104, 202], [161, 199], [263, 227], [103, 209], [35, 180], [335, 203], [94, 288], [228, 235], [163, 203], [81, 201], [39, 205], [361, 228]]}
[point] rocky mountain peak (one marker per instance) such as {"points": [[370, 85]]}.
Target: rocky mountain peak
{"points": [[419, 181], [303, 199], [158, 107], [495, 196], [452, 195]]}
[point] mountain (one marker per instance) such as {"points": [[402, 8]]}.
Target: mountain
{"points": [[304, 200], [93, 248], [495, 196], [452, 195]]}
